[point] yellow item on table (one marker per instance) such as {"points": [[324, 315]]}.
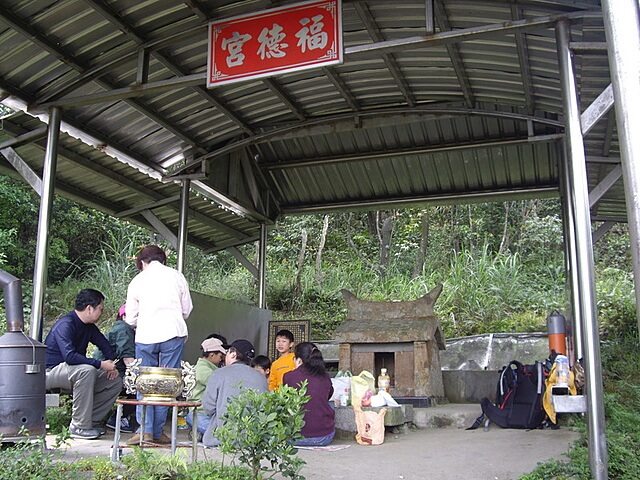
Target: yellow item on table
{"points": [[550, 382]]}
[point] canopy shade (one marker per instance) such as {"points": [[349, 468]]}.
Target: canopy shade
{"points": [[461, 105]]}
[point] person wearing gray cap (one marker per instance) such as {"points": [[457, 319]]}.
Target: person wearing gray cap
{"points": [[213, 353], [226, 383]]}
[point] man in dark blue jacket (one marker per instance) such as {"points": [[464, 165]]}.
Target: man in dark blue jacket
{"points": [[95, 384]]}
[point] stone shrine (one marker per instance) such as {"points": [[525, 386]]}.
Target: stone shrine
{"points": [[404, 337]]}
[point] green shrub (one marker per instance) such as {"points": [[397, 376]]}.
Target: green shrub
{"points": [[59, 418], [259, 427], [27, 460]]}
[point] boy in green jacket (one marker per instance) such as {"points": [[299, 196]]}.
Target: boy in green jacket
{"points": [[121, 338]]}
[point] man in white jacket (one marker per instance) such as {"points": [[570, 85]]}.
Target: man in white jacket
{"points": [[158, 303]]}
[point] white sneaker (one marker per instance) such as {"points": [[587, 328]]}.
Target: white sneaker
{"points": [[125, 427]]}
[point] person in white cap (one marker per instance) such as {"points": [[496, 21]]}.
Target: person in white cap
{"points": [[213, 353]]}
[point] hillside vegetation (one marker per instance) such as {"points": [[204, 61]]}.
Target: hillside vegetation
{"points": [[501, 265]]}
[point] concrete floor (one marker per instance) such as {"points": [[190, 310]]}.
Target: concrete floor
{"points": [[449, 453]]}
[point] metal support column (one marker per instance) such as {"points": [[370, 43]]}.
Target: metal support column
{"points": [[44, 223], [621, 19], [579, 197], [571, 247], [183, 224], [262, 263]]}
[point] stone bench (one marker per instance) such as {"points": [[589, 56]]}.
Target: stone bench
{"points": [[395, 417]]}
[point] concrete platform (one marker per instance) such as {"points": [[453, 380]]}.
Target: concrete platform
{"points": [[456, 415], [441, 451]]}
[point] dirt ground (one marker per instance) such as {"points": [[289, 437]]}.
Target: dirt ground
{"points": [[429, 453]]}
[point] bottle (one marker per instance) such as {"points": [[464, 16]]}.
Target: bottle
{"points": [[182, 419], [344, 398], [562, 371], [384, 381]]}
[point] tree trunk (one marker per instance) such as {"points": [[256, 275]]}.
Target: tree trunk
{"points": [[381, 234], [422, 250], [385, 236], [323, 238], [504, 243], [297, 289]]}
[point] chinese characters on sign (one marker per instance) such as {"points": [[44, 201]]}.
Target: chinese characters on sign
{"points": [[279, 40]]}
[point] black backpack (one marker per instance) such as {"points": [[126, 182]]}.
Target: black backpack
{"points": [[518, 397]]}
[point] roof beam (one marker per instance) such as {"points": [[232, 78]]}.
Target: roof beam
{"points": [[63, 56], [453, 198], [147, 206], [243, 261], [598, 108], [279, 92], [157, 198], [32, 136], [602, 229], [342, 88], [454, 55], [603, 187], [112, 59], [359, 157], [466, 34], [123, 93], [23, 169], [594, 159], [372, 49], [228, 203], [523, 59], [608, 134], [165, 231], [374, 32], [134, 36], [349, 121]]}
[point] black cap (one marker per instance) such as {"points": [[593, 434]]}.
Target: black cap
{"points": [[244, 347]]}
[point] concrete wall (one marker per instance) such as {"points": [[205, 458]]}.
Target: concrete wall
{"points": [[471, 365], [469, 386], [492, 351], [232, 319]]}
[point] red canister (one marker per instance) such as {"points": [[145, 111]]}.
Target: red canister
{"points": [[557, 331]]}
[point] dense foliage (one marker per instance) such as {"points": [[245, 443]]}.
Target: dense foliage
{"points": [[501, 265]]}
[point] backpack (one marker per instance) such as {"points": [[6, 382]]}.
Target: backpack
{"points": [[519, 396]]}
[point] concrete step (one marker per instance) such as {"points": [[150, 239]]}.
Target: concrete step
{"points": [[451, 415], [454, 415]]}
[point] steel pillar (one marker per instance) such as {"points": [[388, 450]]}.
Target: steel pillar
{"points": [[183, 224], [571, 261], [44, 223], [262, 267], [621, 19], [579, 200]]}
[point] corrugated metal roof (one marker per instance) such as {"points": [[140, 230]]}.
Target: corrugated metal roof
{"points": [[471, 113]]}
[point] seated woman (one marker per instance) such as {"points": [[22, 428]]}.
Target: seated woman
{"points": [[319, 417]]}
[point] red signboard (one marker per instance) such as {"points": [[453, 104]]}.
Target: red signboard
{"points": [[280, 40]]}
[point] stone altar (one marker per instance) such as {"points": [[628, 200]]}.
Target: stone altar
{"points": [[404, 337]]}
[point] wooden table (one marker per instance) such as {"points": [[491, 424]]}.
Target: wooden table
{"points": [[175, 404]]}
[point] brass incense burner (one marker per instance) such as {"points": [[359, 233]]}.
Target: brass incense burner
{"points": [[159, 384]]}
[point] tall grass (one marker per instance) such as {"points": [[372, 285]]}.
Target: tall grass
{"points": [[482, 292], [110, 272]]}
